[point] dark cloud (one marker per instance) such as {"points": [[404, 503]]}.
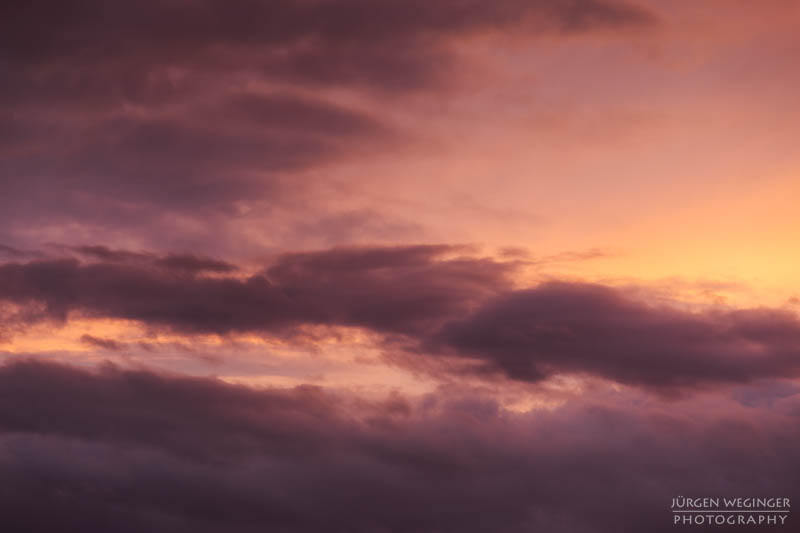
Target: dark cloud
{"points": [[130, 451], [104, 253], [183, 302], [592, 329], [406, 289], [188, 263], [195, 162], [193, 264], [112, 114], [391, 289], [353, 41], [435, 301], [97, 342], [98, 403]]}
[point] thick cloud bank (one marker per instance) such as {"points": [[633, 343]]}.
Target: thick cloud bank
{"points": [[585, 328], [131, 451]]}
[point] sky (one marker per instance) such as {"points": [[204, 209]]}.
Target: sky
{"points": [[396, 266]]}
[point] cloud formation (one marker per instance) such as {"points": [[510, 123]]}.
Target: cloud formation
{"points": [[597, 330], [173, 173], [132, 450], [385, 43], [435, 301], [389, 289], [113, 114]]}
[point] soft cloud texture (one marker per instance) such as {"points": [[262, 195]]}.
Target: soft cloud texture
{"points": [[593, 329], [430, 301], [233, 298], [116, 113], [143, 451], [390, 289]]}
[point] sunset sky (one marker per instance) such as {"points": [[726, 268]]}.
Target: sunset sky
{"points": [[396, 266]]}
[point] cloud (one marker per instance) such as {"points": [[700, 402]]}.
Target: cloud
{"points": [[103, 344], [565, 328], [354, 226], [199, 161], [404, 289], [384, 43], [131, 450], [187, 263], [437, 303], [11, 251], [118, 114], [390, 289]]}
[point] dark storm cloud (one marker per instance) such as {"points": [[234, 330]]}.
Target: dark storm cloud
{"points": [[582, 328], [131, 451], [391, 289]]}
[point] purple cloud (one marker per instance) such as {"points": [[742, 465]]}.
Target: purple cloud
{"points": [[130, 450], [113, 114], [433, 301], [592, 329]]}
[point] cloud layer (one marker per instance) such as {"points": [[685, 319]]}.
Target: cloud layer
{"points": [[402, 289], [113, 114], [255, 190], [430, 301], [593, 329], [127, 451]]}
